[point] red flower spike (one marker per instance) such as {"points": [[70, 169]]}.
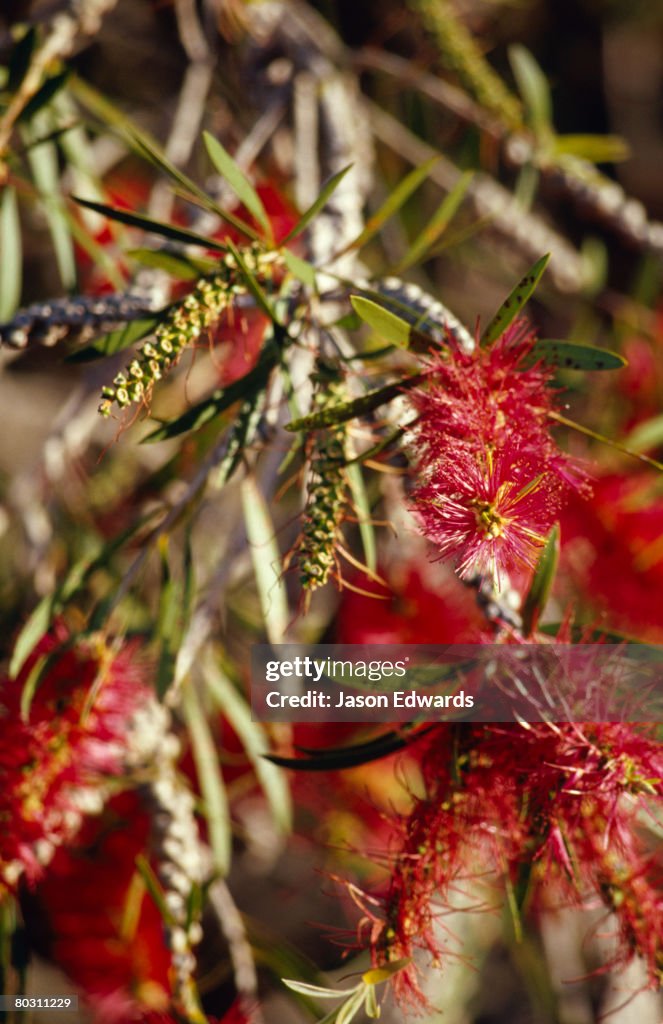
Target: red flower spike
{"points": [[493, 478], [491, 513], [558, 803], [53, 764]]}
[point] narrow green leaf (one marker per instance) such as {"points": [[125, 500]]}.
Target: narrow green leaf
{"points": [[541, 585], [220, 400], [182, 267], [514, 302], [137, 220], [570, 355], [351, 1008], [533, 88], [30, 686], [117, 340], [648, 434], [253, 739], [617, 445], [209, 776], [43, 161], [393, 203], [153, 886], [301, 269], [327, 190], [383, 321], [238, 182], [371, 1008], [317, 991], [438, 223], [357, 407], [168, 625], [11, 254], [266, 560], [362, 510], [21, 59], [598, 149], [147, 147], [33, 630], [44, 95]]}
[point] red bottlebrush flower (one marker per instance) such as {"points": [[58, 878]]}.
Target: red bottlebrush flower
{"points": [[92, 917], [557, 805], [54, 760], [613, 554], [421, 608], [493, 478], [488, 397], [490, 512]]}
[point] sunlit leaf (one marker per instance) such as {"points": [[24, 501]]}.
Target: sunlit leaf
{"points": [[437, 224], [514, 302], [11, 254], [33, 630], [43, 161], [327, 191], [533, 88], [254, 742], [317, 991], [648, 434], [362, 510], [393, 203], [541, 585], [598, 149], [611, 442], [385, 323], [212, 787], [238, 182], [301, 269], [266, 558]]}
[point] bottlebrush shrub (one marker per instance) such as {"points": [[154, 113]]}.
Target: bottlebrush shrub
{"points": [[58, 753], [492, 477], [547, 808]]}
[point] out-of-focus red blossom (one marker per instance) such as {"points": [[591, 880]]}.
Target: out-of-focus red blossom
{"points": [[128, 192], [492, 477], [613, 552], [92, 917], [71, 740], [419, 609], [554, 804]]}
